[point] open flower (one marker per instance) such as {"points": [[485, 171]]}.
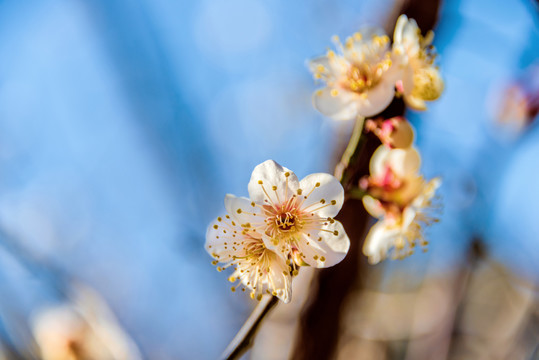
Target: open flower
{"points": [[256, 267], [421, 81], [403, 230], [401, 199], [296, 216], [285, 224], [360, 80]]}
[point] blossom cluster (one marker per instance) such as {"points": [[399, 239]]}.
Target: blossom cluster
{"points": [[287, 223], [361, 80], [283, 225], [366, 72], [396, 193]]}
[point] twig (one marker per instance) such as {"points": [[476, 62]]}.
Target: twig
{"points": [[244, 338]]}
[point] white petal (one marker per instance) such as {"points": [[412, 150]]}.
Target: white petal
{"points": [[376, 99], [378, 241], [341, 105], [241, 209], [281, 281], [399, 28], [320, 188], [378, 162], [373, 206], [403, 162], [329, 250], [267, 175], [220, 232]]}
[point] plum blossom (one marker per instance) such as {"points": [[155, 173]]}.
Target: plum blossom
{"points": [[360, 79], [285, 224], [401, 199], [420, 79], [83, 328], [255, 266]]}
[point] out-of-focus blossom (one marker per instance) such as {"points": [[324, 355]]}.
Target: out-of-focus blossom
{"points": [[402, 201], [256, 267], [401, 230], [518, 104], [360, 78], [395, 132], [420, 79], [81, 330], [285, 224]]}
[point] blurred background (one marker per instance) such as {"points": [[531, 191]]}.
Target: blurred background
{"points": [[124, 123]]}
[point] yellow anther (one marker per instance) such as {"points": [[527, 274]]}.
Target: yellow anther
{"points": [[315, 257], [358, 36], [299, 191], [287, 174], [322, 201], [215, 227], [260, 182], [333, 202], [233, 289], [334, 92], [335, 233], [322, 258], [274, 187], [214, 262], [219, 218], [317, 184], [238, 211]]}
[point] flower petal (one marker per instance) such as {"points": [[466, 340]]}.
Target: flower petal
{"points": [[219, 238], [328, 249], [338, 104], [323, 67], [373, 206], [323, 194], [378, 241], [403, 162], [270, 184], [376, 99], [241, 209]]}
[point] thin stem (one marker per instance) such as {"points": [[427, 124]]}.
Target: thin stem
{"points": [[350, 153], [244, 338]]}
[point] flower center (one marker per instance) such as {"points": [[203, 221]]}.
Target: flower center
{"points": [[285, 221], [364, 76]]}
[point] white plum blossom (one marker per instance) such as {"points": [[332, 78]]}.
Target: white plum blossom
{"points": [[286, 223], [83, 328], [360, 79], [420, 78], [403, 231], [402, 201], [255, 266]]}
